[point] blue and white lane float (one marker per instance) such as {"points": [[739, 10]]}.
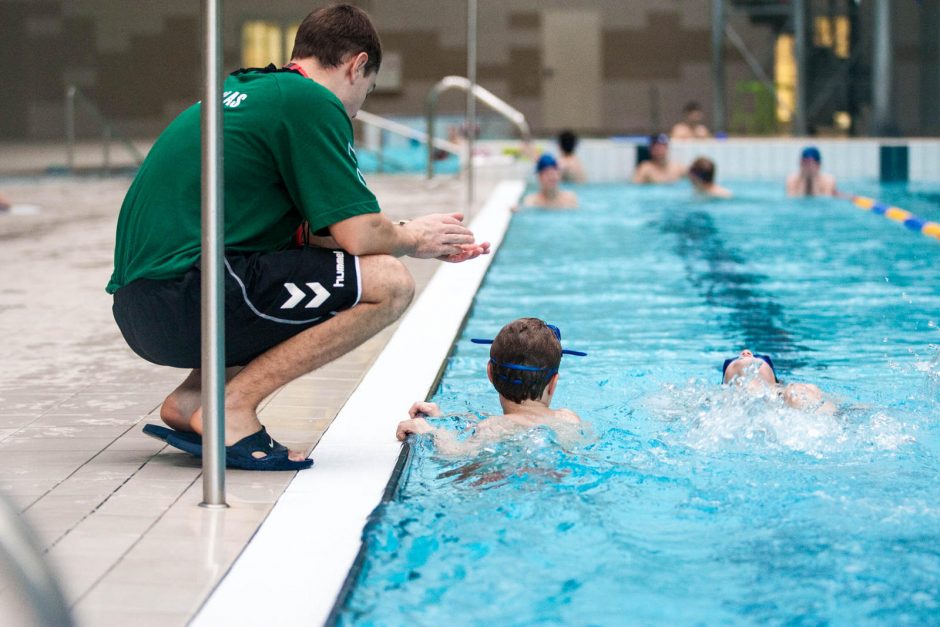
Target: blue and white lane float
{"points": [[908, 219]]}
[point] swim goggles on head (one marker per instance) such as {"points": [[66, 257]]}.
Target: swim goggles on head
{"points": [[764, 358], [549, 372]]}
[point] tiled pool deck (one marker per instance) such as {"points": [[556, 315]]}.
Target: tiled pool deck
{"points": [[117, 511]]}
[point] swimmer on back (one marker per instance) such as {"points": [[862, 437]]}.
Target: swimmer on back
{"points": [[757, 375], [550, 195], [658, 168], [523, 367]]}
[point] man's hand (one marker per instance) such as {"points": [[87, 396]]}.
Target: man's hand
{"points": [[412, 426], [424, 408], [468, 251], [442, 236]]}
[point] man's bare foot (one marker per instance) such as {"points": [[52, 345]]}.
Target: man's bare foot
{"points": [[239, 424]]}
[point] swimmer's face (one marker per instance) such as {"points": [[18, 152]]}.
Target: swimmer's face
{"points": [[809, 167], [746, 365], [695, 116], [659, 151], [549, 178]]}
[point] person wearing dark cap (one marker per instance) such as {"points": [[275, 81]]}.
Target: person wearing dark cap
{"points": [[702, 176], [810, 180], [524, 361], [692, 125], [572, 170], [658, 169], [756, 374], [550, 195]]}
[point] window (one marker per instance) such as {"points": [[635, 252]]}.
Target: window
{"points": [[263, 43], [785, 77]]}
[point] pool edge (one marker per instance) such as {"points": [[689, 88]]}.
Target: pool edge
{"points": [[312, 554]]}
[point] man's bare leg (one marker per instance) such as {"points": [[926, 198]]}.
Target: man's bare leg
{"points": [[387, 290], [179, 406]]}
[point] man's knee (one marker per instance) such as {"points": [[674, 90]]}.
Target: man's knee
{"points": [[386, 281]]}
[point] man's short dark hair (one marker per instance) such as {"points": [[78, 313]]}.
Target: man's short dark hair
{"points": [[524, 342], [691, 106], [703, 169], [333, 33], [567, 141]]}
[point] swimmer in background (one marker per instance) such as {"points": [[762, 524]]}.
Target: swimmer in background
{"points": [[523, 367], [810, 180], [702, 176], [658, 168], [757, 375], [572, 170], [550, 194], [692, 125]]}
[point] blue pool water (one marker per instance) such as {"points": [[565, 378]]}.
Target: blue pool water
{"points": [[688, 503]]}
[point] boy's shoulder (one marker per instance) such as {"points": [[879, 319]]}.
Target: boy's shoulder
{"points": [[566, 415]]}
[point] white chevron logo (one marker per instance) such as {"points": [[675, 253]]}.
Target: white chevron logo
{"points": [[320, 294]]}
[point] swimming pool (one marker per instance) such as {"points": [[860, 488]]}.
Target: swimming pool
{"points": [[690, 503]]}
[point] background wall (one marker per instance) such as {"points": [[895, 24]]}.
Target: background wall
{"points": [[139, 61]]}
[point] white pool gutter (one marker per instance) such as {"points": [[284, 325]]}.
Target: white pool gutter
{"points": [[295, 566]]}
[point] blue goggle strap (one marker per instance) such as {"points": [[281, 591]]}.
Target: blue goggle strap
{"points": [[549, 372]]}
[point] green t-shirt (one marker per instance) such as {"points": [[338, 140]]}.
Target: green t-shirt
{"points": [[289, 157]]}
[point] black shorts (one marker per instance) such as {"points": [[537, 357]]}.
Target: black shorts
{"points": [[269, 298]]}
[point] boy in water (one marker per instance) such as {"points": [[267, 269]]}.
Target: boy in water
{"points": [[658, 168], [550, 195], [702, 176], [523, 367], [811, 180], [756, 373]]}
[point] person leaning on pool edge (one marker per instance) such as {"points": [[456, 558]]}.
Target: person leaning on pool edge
{"points": [[658, 168], [524, 360], [289, 310]]}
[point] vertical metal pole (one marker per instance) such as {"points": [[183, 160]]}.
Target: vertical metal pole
{"points": [[70, 128], [802, 73], [882, 78], [106, 149], [213, 304], [471, 97], [718, 65]]}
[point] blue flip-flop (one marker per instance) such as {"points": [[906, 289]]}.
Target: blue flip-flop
{"points": [[162, 433], [239, 455]]}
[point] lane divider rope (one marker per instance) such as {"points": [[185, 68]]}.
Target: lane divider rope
{"points": [[908, 219]]}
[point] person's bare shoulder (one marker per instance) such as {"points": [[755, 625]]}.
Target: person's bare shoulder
{"points": [[642, 173], [680, 131], [793, 185], [532, 200], [828, 184], [568, 200], [568, 416]]}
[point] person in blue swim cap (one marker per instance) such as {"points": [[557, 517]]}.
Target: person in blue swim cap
{"points": [[524, 360], [810, 180], [550, 195], [756, 374]]}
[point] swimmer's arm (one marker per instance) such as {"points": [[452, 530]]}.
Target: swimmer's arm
{"points": [[639, 175], [793, 185]]}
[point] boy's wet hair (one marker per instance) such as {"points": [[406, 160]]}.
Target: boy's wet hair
{"points": [[331, 34], [524, 342], [703, 169]]}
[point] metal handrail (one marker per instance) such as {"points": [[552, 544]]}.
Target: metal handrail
{"points": [[405, 131], [21, 557], [72, 96], [481, 94]]}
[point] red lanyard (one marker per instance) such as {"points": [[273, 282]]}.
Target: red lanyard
{"points": [[296, 68]]}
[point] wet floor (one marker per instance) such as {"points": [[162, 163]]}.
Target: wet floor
{"points": [[117, 511]]}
